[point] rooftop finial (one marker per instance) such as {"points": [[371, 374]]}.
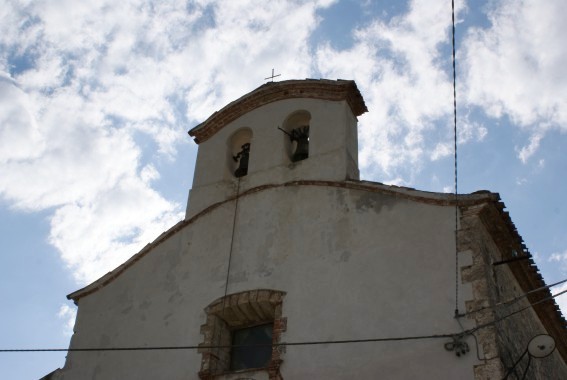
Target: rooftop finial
{"points": [[273, 76]]}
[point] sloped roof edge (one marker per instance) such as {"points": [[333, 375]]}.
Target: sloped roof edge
{"points": [[442, 199], [525, 270], [323, 89]]}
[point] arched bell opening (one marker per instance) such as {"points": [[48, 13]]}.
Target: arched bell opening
{"points": [[238, 157], [296, 127]]}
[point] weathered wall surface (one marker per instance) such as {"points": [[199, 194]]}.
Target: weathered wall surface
{"points": [[333, 151], [493, 286], [354, 264]]}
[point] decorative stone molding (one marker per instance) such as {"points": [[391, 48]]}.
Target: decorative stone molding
{"points": [[236, 311], [273, 91]]}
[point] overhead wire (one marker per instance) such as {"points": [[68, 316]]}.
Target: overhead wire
{"points": [[515, 299], [457, 314], [513, 368], [516, 312], [527, 367], [290, 344], [193, 347]]}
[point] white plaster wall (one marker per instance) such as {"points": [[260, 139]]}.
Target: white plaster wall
{"points": [[354, 264], [333, 153]]}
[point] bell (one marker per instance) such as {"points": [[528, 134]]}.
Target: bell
{"points": [[301, 135], [242, 159], [302, 150]]}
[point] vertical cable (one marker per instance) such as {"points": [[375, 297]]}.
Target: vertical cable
{"points": [[455, 158], [231, 240], [219, 343]]}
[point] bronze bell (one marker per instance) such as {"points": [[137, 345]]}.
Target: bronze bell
{"points": [[242, 159], [301, 135]]}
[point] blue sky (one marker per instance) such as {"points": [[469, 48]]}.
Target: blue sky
{"points": [[96, 98]]}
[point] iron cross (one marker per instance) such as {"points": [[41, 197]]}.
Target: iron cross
{"points": [[273, 76]]}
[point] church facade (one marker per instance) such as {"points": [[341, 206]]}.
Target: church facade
{"points": [[288, 266]]}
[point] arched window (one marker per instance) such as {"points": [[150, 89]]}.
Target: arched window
{"points": [[296, 127], [239, 152], [248, 321]]}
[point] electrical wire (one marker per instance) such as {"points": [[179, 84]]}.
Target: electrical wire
{"points": [[283, 344], [512, 369], [516, 299], [232, 238], [516, 312], [477, 348], [527, 367], [457, 314], [475, 341], [289, 344], [230, 255]]}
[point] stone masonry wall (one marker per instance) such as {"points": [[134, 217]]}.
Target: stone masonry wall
{"points": [[503, 342]]}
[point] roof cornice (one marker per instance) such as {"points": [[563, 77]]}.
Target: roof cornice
{"points": [[323, 89], [441, 199]]}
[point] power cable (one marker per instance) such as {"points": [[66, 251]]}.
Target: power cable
{"points": [[289, 344], [527, 367], [515, 312], [232, 238], [475, 341], [513, 368], [283, 344], [457, 314], [513, 300], [230, 255]]}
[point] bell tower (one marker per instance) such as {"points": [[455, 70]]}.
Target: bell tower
{"points": [[280, 132]]}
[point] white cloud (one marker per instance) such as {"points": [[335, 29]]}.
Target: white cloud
{"points": [[560, 260], [521, 181], [83, 83], [68, 314], [149, 173], [398, 181], [400, 69], [562, 299], [526, 152], [560, 257], [516, 67], [470, 130], [98, 236], [20, 137], [442, 149]]}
